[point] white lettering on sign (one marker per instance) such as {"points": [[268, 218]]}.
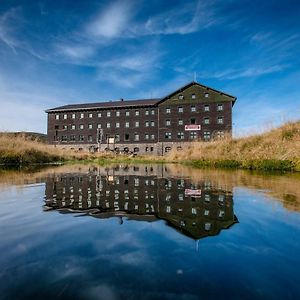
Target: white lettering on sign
{"points": [[191, 192], [192, 127]]}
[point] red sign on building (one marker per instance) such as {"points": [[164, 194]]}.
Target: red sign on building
{"points": [[192, 127]]}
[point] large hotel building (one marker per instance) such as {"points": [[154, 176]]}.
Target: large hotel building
{"points": [[154, 126]]}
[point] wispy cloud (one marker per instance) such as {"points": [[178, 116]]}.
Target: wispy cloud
{"points": [[233, 73], [8, 22], [188, 19], [112, 22]]}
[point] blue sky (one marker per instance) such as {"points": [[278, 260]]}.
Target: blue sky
{"points": [[59, 52]]}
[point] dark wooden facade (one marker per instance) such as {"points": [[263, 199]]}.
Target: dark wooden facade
{"points": [[144, 122]]}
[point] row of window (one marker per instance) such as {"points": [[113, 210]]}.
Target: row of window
{"points": [[136, 137], [193, 108], [220, 120], [193, 96], [168, 110], [101, 114]]}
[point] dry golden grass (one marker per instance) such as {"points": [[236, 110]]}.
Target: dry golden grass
{"points": [[23, 149], [278, 144]]}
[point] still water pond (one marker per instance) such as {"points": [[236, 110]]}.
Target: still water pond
{"points": [[148, 232]]}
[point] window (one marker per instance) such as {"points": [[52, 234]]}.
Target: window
{"points": [[220, 107], [99, 126], [193, 121], [193, 135], [180, 97], [99, 115], [81, 115], [180, 122], [126, 137], [65, 116], [126, 124], [206, 95], [152, 112], [127, 113], [180, 109], [146, 136], [81, 126], [64, 138], [136, 181], [90, 115], [117, 114], [193, 96], [168, 122], [90, 126], [147, 112], [168, 135], [81, 137], [117, 138], [220, 134], [117, 125], [206, 107], [194, 211], [167, 149], [72, 138], [137, 113], [56, 117], [137, 124], [193, 108], [152, 136], [147, 124], [180, 135], [206, 212], [65, 127], [56, 127], [90, 138], [73, 127], [136, 137], [206, 135], [206, 120], [152, 123], [168, 110], [108, 114], [107, 125], [220, 120], [73, 116]]}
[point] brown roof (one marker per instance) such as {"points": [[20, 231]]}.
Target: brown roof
{"points": [[108, 104], [128, 103]]}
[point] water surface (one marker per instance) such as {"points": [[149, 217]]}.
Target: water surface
{"points": [[148, 232]]}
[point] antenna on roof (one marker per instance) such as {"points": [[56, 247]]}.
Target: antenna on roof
{"points": [[195, 76]]}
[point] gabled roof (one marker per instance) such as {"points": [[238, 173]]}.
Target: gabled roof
{"points": [[108, 104], [199, 84], [135, 103]]}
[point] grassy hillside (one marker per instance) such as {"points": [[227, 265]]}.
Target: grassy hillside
{"points": [[276, 149]]}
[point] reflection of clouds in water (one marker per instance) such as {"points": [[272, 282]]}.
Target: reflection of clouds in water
{"points": [[101, 292], [136, 258]]}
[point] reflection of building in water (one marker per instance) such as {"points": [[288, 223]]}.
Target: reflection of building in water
{"points": [[144, 193]]}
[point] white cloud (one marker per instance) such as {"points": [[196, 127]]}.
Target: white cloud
{"points": [[74, 51], [111, 22], [254, 71], [7, 23], [183, 20]]}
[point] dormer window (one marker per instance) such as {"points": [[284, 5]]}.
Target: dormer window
{"points": [[180, 97], [193, 96], [206, 95]]}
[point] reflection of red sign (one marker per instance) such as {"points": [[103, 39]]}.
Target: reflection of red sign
{"points": [[192, 127], [190, 192]]}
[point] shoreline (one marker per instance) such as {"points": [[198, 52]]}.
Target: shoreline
{"points": [[255, 164]]}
